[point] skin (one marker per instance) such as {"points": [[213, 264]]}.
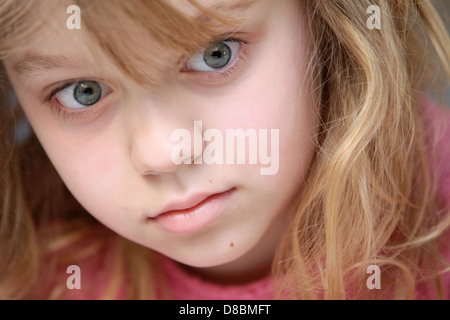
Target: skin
{"points": [[108, 159]]}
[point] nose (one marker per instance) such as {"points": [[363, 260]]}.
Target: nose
{"points": [[155, 140]]}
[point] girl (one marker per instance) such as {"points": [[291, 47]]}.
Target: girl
{"points": [[362, 182]]}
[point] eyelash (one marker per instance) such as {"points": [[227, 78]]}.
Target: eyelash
{"points": [[70, 115], [218, 75]]}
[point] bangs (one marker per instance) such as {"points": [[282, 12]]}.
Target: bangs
{"points": [[19, 20], [146, 39]]}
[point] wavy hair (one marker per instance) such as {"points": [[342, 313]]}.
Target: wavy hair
{"points": [[371, 196]]}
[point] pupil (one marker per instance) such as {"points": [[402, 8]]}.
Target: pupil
{"points": [[217, 54]]}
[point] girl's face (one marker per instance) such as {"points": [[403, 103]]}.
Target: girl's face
{"points": [[112, 141]]}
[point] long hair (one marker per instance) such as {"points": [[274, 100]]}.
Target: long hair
{"points": [[371, 196]]}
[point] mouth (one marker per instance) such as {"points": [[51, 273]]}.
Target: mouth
{"points": [[193, 213]]}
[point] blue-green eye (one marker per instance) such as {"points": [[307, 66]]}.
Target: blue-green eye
{"points": [[217, 56], [214, 57], [81, 95], [87, 93]]}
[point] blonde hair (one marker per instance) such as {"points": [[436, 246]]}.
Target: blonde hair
{"points": [[373, 176]]}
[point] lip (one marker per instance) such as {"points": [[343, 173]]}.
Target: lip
{"points": [[192, 213]]}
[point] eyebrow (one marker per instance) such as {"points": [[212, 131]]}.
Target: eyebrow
{"points": [[33, 63]]}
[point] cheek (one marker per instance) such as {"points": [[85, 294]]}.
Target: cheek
{"points": [[89, 167], [275, 97], [264, 103], [271, 95], [94, 175]]}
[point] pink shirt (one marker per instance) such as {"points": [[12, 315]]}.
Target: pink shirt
{"points": [[186, 286], [191, 287]]}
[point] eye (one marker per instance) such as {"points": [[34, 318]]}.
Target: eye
{"points": [[82, 94], [214, 57]]}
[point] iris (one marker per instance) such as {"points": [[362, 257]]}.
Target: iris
{"points": [[217, 56], [87, 93]]}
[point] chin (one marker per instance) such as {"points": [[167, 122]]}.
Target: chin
{"points": [[209, 261], [211, 257]]}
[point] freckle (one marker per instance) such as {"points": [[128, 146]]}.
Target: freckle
{"points": [[232, 245], [210, 181]]}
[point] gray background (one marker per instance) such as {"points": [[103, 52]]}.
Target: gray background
{"points": [[443, 7]]}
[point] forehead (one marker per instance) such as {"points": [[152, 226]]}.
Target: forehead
{"points": [[236, 7]]}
